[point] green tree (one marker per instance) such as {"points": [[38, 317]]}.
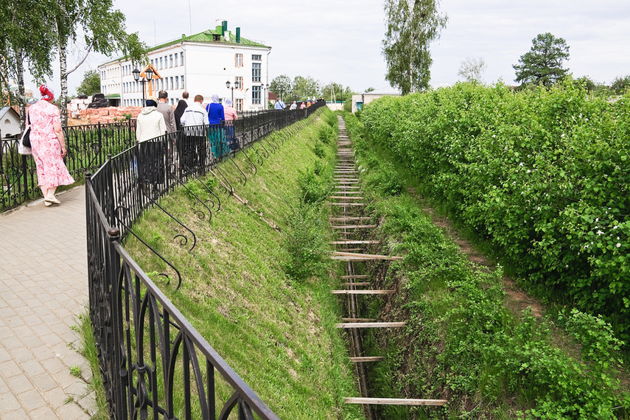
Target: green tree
{"points": [[304, 87], [620, 85], [102, 28], [542, 64], [26, 42], [91, 83], [336, 92], [472, 69], [281, 85], [411, 26]]}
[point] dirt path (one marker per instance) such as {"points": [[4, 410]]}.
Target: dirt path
{"points": [[516, 299]]}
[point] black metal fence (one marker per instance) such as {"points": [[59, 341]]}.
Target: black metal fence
{"points": [[88, 147], [154, 363]]}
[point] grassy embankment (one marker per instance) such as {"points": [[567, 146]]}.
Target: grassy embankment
{"points": [[276, 330], [461, 342]]}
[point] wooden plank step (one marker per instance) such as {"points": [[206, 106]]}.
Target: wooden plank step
{"points": [[353, 242], [338, 197], [355, 276], [362, 292], [360, 283], [366, 359], [349, 187], [394, 401], [354, 227], [348, 204], [348, 218], [358, 319], [351, 325], [365, 256]]}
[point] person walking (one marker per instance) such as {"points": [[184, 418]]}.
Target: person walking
{"points": [[230, 117], [179, 112], [193, 145], [48, 146], [279, 104], [150, 125], [293, 106], [216, 116], [166, 110], [185, 96]]}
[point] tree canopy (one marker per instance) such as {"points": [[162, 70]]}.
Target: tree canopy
{"points": [[281, 85], [542, 64], [411, 26], [336, 92], [91, 83], [472, 69], [620, 85]]}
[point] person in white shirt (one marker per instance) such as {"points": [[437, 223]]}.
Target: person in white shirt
{"points": [[195, 114], [193, 146], [293, 106], [150, 123], [150, 126]]}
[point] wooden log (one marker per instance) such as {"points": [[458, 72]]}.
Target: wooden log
{"points": [[360, 283], [365, 256], [353, 242], [362, 292], [348, 204], [355, 276], [339, 197], [358, 319], [353, 226], [350, 325], [366, 359], [394, 401], [348, 218]]}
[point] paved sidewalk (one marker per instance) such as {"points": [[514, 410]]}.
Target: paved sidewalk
{"points": [[43, 287]]}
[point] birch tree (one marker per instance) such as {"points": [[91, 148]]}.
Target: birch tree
{"points": [[102, 29], [411, 26]]}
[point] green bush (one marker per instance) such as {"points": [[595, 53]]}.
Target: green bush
{"points": [[542, 174], [306, 242], [461, 341]]}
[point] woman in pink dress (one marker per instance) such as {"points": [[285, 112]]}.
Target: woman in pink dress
{"points": [[48, 146]]}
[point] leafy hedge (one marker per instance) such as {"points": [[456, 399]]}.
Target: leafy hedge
{"points": [[544, 175], [461, 342]]}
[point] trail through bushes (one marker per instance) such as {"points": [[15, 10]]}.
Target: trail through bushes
{"points": [[544, 175]]}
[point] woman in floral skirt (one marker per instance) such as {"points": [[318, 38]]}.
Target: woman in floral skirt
{"points": [[48, 146]]}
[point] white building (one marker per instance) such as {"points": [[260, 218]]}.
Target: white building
{"points": [[9, 122], [362, 99], [200, 64]]}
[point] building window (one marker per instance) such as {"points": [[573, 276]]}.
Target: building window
{"points": [[256, 95], [183, 86], [239, 82], [256, 57], [176, 60], [170, 57], [239, 105], [238, 60], [177, 82], [256, 72], [181, 59], [160, 65]]}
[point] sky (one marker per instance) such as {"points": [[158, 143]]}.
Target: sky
{"points": [[341, 41]]}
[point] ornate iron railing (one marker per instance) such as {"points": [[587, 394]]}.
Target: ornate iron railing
{"points": [[154, 362], [88, 148]]}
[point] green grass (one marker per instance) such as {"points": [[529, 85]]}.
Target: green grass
{"points": [[277, 333], [460, 342], [89, 351]]}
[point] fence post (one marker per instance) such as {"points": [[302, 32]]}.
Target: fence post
{"points": [[25, 175]]}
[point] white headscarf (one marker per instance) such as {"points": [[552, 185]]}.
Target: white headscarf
{"points": [[215, 99], [228, 102]]}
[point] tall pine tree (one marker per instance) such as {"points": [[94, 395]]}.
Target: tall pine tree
{"points": [[542, 64]]}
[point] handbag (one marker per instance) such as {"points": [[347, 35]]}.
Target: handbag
{"points": [[26, 135], [24, 145]]}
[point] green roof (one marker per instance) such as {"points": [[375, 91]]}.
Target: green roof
{"points": [[207, 36], [113, 96]]}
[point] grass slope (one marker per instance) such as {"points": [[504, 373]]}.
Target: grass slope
{"points": [[278, 334], [460, 341]]}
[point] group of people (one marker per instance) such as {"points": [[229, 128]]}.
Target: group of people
{"points": [[158, 118], [294, 105]]}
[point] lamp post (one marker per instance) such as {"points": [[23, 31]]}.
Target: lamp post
{"points": [[228, 85], [148, 75]]}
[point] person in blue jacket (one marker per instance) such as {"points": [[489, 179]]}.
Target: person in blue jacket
{"points": [[216, 116]]}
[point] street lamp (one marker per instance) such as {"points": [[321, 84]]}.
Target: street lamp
{"points": [[148, 75], [228, 85]]}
